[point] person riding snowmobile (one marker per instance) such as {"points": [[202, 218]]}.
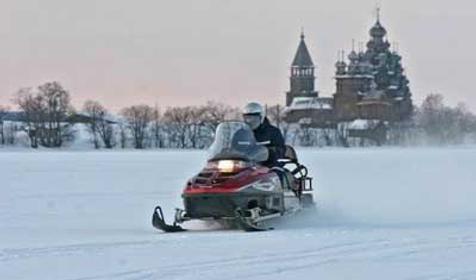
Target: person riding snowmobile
{"points": [[265, 133]]}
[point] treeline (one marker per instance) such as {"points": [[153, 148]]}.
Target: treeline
{"points": [[438, 123], [46, 118], [143, 126]]}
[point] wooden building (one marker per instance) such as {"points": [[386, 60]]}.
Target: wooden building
{"points": [[370, 85]]}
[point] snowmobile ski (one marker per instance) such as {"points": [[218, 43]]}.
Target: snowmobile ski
{"points": [[158, 222]]}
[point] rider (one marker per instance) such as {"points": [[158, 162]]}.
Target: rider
{"points": [[265, 133]]}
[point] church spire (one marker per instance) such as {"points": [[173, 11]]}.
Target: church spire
{"points": [[377, 12], [302, 57]]}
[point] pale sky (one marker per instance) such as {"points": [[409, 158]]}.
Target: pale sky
{"points": [[187, 52]]}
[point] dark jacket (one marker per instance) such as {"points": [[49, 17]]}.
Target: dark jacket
{"points": [[269, 133]]}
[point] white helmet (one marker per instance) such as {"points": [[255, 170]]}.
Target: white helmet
{"points": [[253, 114]]}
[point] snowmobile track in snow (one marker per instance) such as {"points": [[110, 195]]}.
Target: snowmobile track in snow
{"points": [[266, 264]]}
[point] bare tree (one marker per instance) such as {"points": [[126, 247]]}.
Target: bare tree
{"points": [[33, 109], [193, 126], [58, 108], [326, 135], [99, 125], [45, 113], [179, 120], [465, 119], [122, 135], [215, 113], [3, 113], [442, 124], [157, 129], [94, 111], [430, 116], [138, 119], [196, 125], [107, 132], [10, 133], [307, 136]]}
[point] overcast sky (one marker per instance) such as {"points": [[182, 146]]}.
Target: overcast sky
{"points": [[187, 52]]}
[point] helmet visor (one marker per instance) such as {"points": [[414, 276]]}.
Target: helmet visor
{"points": [[253, 120]]}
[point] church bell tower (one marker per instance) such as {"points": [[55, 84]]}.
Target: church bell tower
{"points": [[302, 74]]}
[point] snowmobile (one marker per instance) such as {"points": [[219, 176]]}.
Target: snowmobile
{"points": [[235, 188]]}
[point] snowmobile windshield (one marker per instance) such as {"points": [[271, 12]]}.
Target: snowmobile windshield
{"points": [[236, 141]]}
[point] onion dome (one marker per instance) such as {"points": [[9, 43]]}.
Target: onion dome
{"points": [[341, 67], [353, 56], [378, 31]]}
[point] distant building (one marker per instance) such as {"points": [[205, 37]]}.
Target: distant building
{"points": [[302, 100], [371, 86], [302, 80]]}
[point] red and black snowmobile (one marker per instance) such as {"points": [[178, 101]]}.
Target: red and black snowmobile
{"points": [[234, 187]]}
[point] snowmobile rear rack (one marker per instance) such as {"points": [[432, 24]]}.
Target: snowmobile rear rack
{"points": [[299, 171], [158, 222]]}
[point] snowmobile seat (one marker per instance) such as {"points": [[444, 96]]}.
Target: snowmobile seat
{"points": [[290, 154]]}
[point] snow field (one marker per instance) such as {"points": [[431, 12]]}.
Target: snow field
{"points": [[382, 213]]}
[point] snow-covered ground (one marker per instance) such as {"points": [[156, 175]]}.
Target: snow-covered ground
{"points": [[383, 214]]}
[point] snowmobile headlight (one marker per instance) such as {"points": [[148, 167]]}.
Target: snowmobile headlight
{"points": [[226, 166], [230, 166]]}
